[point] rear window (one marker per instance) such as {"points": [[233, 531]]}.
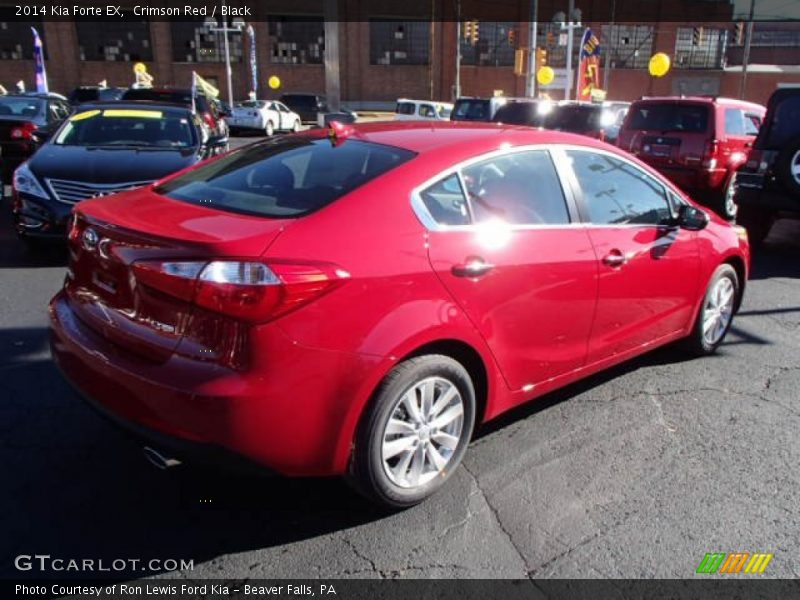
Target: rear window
{"points": [[471, 110], [405, 108], [175, 97], [519, 113], [784, 123], [574, 118], [19, 106], [300, 100], [287, 177], [690, 118]]}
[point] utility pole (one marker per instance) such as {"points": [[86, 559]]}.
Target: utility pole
{"points": [[228, 74], [608, 49], [530, 81], [746, 56], [458, 49], [570, 25]]}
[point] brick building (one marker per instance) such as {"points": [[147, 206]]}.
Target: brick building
{"points": [[407, 48]]}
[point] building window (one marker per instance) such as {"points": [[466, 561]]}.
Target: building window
{"points": [[699, 48], [195, 42], [627, 46], [296, 40], [16, 38], [126, 41], [492, 48], [399, 42]]}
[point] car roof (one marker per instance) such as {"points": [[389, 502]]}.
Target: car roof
{"points": [[40, 96], [135, 104], [474, 137], [701, 99]]}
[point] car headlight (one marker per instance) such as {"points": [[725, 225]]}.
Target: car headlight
{"points": [[25, 181]]}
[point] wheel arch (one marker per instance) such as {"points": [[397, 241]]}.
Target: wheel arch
{"points": [[737, 262]]}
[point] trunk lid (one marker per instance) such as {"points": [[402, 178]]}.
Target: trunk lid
{"points": [[113, 233]]}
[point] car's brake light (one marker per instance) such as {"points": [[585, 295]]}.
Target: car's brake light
{"points": [[247, 290], [23, 132], [710, 154]]}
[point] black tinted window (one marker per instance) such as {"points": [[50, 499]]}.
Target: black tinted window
{"points": [[284, 177], [520, 188], [617, 193], [691, 118], [446, 203], [471, 110], [20, 106], [519, 113], [405, 108], [574, 118]]}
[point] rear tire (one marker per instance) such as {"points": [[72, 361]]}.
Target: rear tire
{"points": [[716, 312], [414, 433], [726, 204], [296, 127]]}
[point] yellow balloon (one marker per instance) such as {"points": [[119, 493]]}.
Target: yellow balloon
{"points": [[545, 75], [140, 68], [659, 64], [274, 82]]}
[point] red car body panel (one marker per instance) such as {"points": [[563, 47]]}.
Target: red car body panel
{"points": [[289, 393]]}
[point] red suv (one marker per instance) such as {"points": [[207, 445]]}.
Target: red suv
{"points": [[355, 301], [698, 142]]}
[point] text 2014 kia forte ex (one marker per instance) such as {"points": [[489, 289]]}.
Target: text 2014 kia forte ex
{"points": [[355, 301]]}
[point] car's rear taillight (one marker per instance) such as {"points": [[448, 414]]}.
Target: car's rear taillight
{"points": [[247, 290], [755, 162], [23, 131], [209, 119], [710, 154]]}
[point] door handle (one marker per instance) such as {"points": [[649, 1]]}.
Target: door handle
{"points": [[472, 267], [615, 258]]}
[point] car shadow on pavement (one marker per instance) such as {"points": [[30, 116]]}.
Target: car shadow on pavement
{"points": [[777, 257], [15, 254]]}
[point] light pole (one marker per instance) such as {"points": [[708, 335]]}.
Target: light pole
{"points": [[237, 25], [571, 25], [459, 25]]}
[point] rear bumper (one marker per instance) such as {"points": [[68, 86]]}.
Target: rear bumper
{"points": [[691, 179], [754, 190], [291, 411]]}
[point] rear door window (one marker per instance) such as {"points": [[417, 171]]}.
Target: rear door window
{"points": [[471, 110], [446, 203], [669, 117], [405, 108], [284, 177]]}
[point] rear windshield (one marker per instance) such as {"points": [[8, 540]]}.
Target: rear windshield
{"points": [[471, 110], [300, 100], [20, 106], [691, 118], [519, 113], [176, 97], [575, 118], [286, 177]]}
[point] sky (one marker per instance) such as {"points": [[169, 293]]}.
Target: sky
{"points": [[768, 9]]}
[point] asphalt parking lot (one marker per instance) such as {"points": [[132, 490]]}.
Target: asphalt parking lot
{"points": [[636, 472]]}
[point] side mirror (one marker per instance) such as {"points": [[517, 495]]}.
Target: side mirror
{"points": [[691, 218]]}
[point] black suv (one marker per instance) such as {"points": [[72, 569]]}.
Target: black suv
{"points": [[768, 185]]}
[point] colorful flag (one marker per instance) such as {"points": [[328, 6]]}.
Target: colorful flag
{"points": [[589, 69], [38, 57], [251, 33]]}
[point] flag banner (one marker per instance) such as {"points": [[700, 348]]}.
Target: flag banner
{"points": [[251, 33], [38, 58], [198, 83], [589, 67]]}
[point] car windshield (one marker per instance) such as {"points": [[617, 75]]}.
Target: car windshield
{"points": [[574, 118], [471, 110], [287, 177], [126, 128], [673, 116], [21, 106]]}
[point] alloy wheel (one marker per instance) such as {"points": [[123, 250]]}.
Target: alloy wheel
{"points": [[730, 196], [718, 311], [794, 167], [422, 433]]}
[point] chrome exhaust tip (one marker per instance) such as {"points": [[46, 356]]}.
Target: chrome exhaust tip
{"points": [[158, 460]]}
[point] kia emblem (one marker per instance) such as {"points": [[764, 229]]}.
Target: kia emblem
{"points": [[90, 239]]}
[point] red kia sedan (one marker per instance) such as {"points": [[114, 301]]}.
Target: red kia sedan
{"points": [[356, 301]]}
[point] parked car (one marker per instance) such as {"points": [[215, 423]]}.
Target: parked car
{"points": [[94, 93], [276, 310], [698, 142], [422, 110], [103, 148], [586, 118], [266, 116], [768, 184], [308, 106], [20, 116], [523, 111], [209, 109], [476, 109]]}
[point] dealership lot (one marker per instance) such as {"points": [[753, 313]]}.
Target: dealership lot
{"points": [[637, 472]]}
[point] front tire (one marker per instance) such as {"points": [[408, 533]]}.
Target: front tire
{"points": [[415, 432], [296, 127], [269, 130], [716, 312]]}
